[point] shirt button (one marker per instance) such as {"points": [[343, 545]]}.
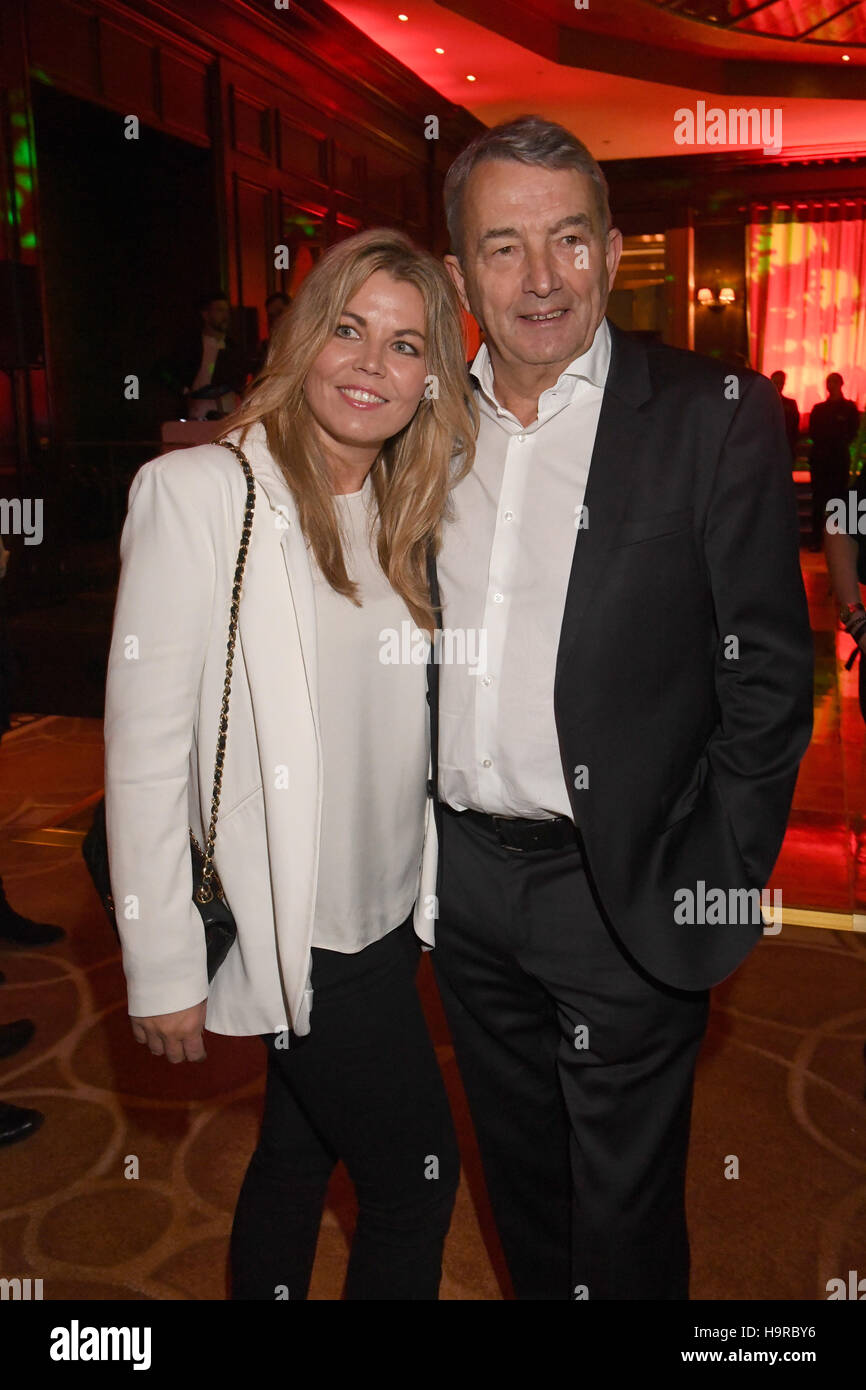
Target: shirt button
{"points": [[497, 598], [509, 516], [485, 762], [486, 680], [521, 439]]}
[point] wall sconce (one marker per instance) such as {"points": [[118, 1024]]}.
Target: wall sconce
{"points": [[719, 299]]}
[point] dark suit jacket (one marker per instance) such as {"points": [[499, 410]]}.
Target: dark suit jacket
{"points": [[792, 423], [832, 427], [178, 370], [692, 756]]}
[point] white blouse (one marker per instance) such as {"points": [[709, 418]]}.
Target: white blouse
{"points": [[375, 747]]}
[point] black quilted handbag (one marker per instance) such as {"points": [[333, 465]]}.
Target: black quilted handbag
{"points": [[219, 925]]}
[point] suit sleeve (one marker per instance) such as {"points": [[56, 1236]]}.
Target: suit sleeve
{"points": [[764, 678], [159, 638]]}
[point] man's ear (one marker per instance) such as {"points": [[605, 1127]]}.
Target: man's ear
{"points": [[452, 265], [613, 254]]}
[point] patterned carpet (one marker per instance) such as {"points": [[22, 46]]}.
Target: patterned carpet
{"points": [[780, 1087]]}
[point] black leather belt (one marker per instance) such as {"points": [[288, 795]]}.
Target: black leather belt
{"points": [[523, 836]]}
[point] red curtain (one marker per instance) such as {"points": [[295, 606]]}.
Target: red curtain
{"points": [[806, 268]]}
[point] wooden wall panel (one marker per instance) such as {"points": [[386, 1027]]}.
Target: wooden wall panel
{"points": [[251, 124], [130, 68], [303, 227], [347, 226], [307, 107], [63, 41], [255, 245], [185, 97], [385, 187], [350, 170], [306, 131], [110, 59], [302, 150]]}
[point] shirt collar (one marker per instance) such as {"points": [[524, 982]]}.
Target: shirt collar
{"points": [[591, 366]]}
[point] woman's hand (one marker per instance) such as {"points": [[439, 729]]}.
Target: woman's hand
{"points": [[855, 626], [176, 1036]]}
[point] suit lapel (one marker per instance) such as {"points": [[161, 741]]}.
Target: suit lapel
{"points": [[610, 479]]}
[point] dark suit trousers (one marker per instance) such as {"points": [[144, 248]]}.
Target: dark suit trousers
{"points": [[578, 1069]]}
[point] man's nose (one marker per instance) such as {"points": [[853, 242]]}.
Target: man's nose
{"points": [[541, 276]]}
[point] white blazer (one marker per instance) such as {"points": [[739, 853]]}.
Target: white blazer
{"points": [[166, 670]]}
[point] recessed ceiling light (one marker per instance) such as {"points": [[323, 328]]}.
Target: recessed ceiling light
{"points": [[469, 77], [404, 17], [439, 50], [846, 58]]}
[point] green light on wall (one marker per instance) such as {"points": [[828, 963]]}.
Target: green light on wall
{"points": [[23, 153], [19, 209]]}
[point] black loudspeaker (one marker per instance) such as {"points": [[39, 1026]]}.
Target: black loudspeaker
{"points": [[20, 316]]}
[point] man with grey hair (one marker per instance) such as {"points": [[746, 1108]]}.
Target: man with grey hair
{"points": [[628, 542]]}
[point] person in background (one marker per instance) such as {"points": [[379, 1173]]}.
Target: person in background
{"points": [[832, 426], [16, 1121], [792, 414], [275, 306], [208, 370]]}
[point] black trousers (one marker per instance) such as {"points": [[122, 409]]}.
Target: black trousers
{"points": [[363, 1087], [578, 1069]]}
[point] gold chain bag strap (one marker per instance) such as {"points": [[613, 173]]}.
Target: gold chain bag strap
{"points": [[208, 879], [219, 924]]}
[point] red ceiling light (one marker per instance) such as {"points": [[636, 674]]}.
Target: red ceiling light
{"points": [[404, 17], [470, 78]]}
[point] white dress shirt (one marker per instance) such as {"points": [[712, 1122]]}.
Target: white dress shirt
{"points": [[503, 574]]}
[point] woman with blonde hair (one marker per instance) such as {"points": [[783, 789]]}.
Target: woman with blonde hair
{"points": [[325, 844]]}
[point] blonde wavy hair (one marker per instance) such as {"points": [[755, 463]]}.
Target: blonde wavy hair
{"points": [[416, 468]]}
